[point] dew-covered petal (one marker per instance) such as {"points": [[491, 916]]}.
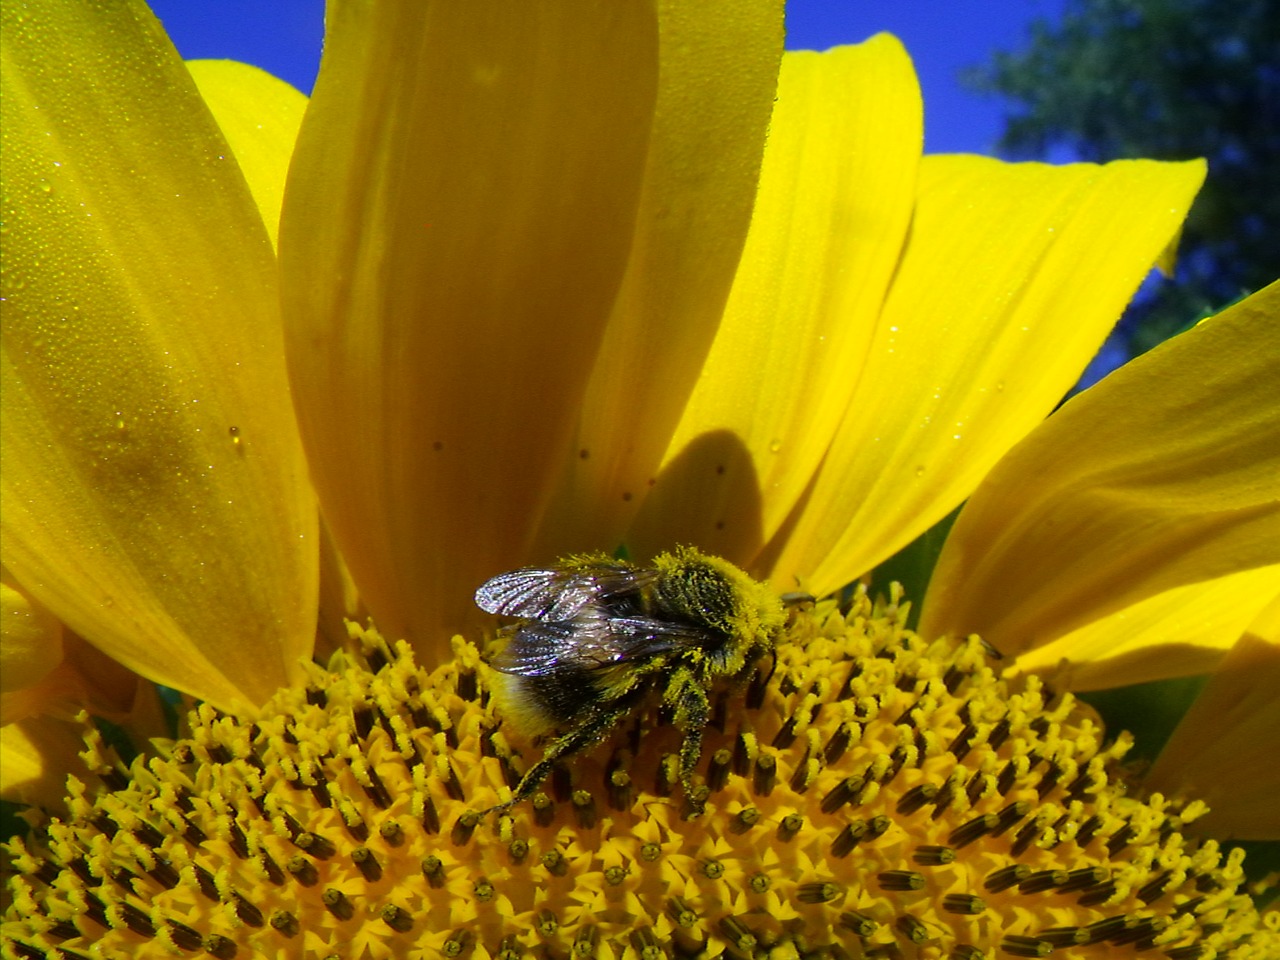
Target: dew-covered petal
{"points": [[1167, 473], [30, 640], [715, 94], [1224, 749], [155, 495], [456, 226], [836, 192], [259, 116], [1012, 276]]}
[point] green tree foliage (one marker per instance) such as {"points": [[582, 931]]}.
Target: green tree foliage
{"points": [[1169, 79]]}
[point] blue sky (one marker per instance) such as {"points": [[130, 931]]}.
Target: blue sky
{"points": [[283, 36]]}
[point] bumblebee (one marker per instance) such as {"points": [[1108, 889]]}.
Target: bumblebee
{"points": [[596, 637]]}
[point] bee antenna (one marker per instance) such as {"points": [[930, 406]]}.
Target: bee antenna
{"points": [[797, 598]]}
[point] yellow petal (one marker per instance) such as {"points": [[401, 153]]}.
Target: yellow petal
{"points": [[1224, 749], [716, 89], [1012, 276], [30, 640], [456, 226], [1177, 633], [154, 493], [1166, 473], [35, 755], [259, 115], [835, 198]]}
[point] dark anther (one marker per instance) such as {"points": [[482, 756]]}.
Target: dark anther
{"points": [[859, 923], [786, 734], [555, 863], [620, 790], [916, 797], [314, 845], [897, 760], [738, 935], [397, 918], [1082, 879], [964, 904], [282, 921], [1007, 777], [819, 892], [999, 734], [302, 870], [1119, 840], [1011, 815], [972, 830], [584, 809], [847, 790], [391, 832], [467, 687], [464, 827], [838, 743], [912, 929], [247, 912], [932, 855], [547, 923], [681, 913], [584, 942], [337, 903], [362, 714], [667, 775], [184, 936], [1043, 880], [848, 838], [367, 864], [789, 826], [1026, 835], [1026, 946], [216, 945], [453, 786], [1101, 930], [430, 817], [766, 774], [544, 809], [900, 880], [1065, 936], [483, 890], [1094, 896], [458, 943], [744, 820], [646, 945], [718, 769], [433, 870], [1049, 780], [1006, 877], [1087, 831]]}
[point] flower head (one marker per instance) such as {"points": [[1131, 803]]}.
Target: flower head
{"points": [[868, 794]]}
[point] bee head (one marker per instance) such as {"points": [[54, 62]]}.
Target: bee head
{"points": [[715, 594]]}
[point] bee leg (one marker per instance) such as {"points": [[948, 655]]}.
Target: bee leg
{"points": [[692, 713], [585, 735]]}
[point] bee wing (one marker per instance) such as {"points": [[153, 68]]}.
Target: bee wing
{"points": [[538, 648], [558, 595], [594, 640]]}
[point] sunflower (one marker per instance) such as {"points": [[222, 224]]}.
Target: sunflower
{"points": [[530, 281]]}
